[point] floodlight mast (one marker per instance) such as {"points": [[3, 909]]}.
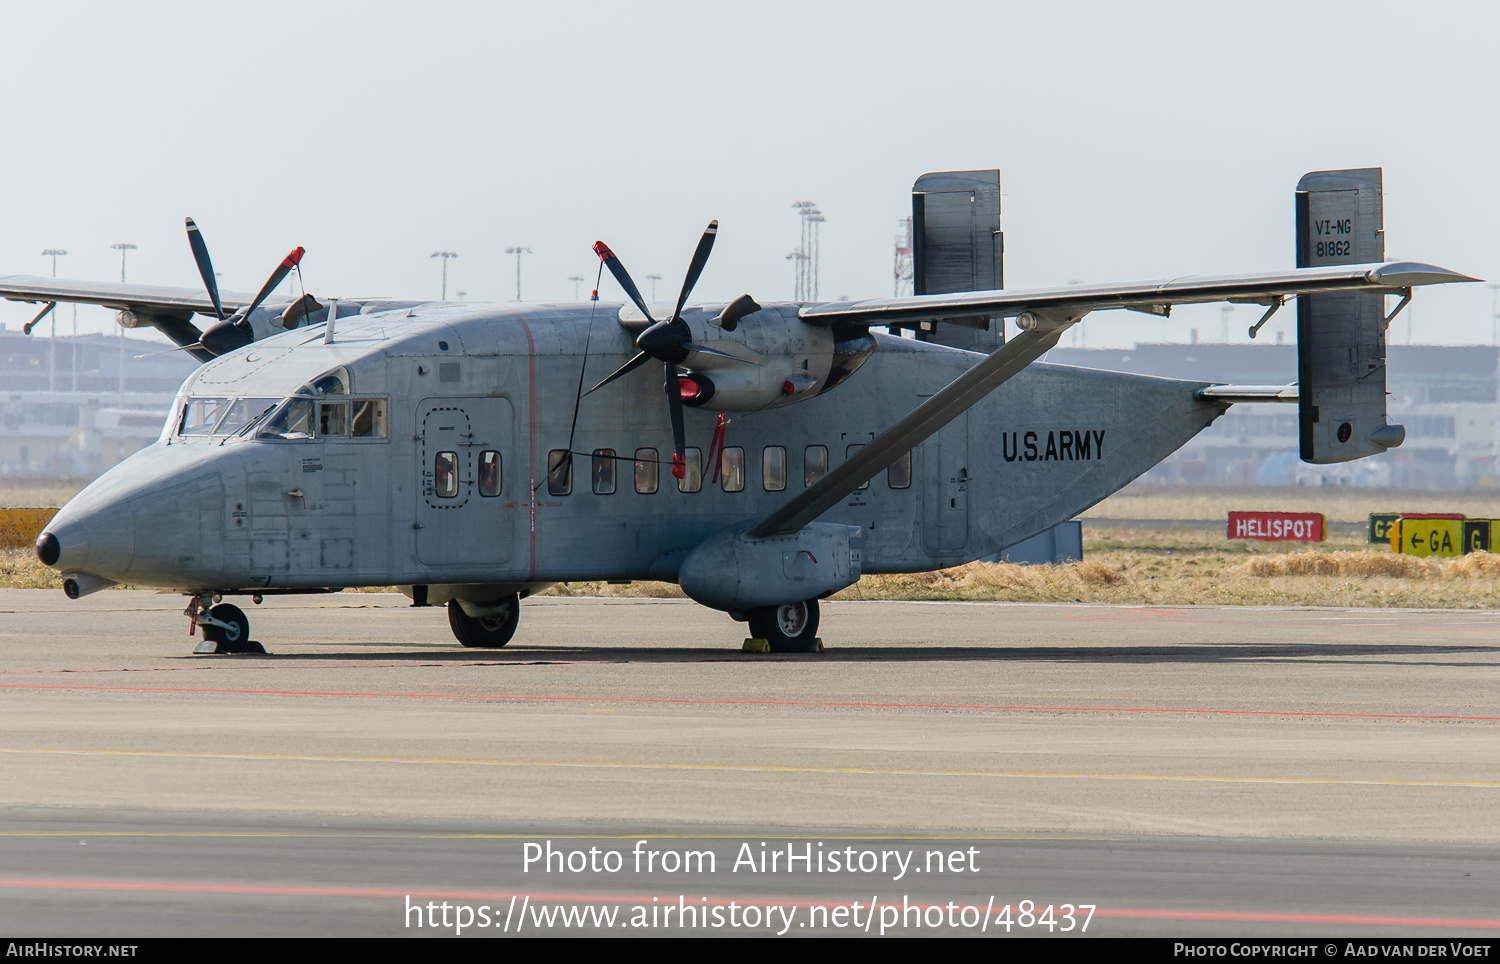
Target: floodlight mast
{"points": [[124, 247], [518, 251], [54, 254], [445, 255]]}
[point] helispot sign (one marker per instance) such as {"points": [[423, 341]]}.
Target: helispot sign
{"points": [[1278, 526]]}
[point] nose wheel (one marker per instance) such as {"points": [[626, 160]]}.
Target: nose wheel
{"points": [[226, 628]]}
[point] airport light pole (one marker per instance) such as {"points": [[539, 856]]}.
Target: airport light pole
{"points": [[577, 280], [518, 251], [445, 255], [54, 254], [653, 278], [462, 295], [1494, 312], [124, 247]]}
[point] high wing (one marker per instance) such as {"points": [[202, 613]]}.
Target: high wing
{"points": [[1154, 297], [117, 295], [169, 310], [1044, 314]]}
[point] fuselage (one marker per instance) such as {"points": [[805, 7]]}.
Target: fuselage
{"points": [[426, 446]]}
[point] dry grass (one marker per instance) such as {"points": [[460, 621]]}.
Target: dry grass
{"points": [[20, 569]]}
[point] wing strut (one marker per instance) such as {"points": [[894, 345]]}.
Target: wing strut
{"points": [[923, 421]]}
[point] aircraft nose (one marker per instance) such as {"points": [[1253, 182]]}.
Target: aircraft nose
{"points": [[64, 544], [48, 549]]}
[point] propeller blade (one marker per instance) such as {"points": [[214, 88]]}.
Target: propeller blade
{"points": [[695, 267], [196, 344], [205, 266], [679, 435], [277, 277], [691, 346], [623, 277], [625, 369]]}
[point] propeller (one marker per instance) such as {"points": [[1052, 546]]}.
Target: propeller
{"points": [[670, 341], [234, 331]]}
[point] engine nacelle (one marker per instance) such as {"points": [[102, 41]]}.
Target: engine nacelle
{"points": [[778, 358], [735, 573]]}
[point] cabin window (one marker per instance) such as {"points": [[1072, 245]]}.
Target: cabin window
{"points": [[849, 454], [732, 466], [814, 463], [559, 472], [773, 468], [489, 473], [603, 472], [333, 419], [243, 412], [369, 418], [445, 475], [646, 466], [692, 479], [293, 420], [898, 475], [201, 415]]}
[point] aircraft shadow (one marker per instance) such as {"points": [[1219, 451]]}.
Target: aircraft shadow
{"points": [[1301, 652]]}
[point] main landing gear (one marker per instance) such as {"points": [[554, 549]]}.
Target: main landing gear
{"points": [[788, 628], [226, 629], [491, 628]]}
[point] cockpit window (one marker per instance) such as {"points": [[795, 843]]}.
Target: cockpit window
{"points": [[243, 412], [294, 419], [201, 415], [335, 382]]}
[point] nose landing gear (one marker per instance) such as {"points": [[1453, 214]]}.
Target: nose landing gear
{"points": [[226, 629]]}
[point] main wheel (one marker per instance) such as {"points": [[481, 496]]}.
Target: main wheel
{"points": [[233, 639], [486, 632], [789, 628]]}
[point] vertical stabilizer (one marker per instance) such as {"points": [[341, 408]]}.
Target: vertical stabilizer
{"points": [[957, 246], [1341, 337]]}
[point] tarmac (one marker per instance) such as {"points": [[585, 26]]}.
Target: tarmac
{"points": [[1185, 771]]}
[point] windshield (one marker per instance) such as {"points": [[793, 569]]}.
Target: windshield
{"points": [[243, 412], [200, 415], [220, 416], [294, 419]]}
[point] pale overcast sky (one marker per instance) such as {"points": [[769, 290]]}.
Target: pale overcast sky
{"points": [[1134, 140]]}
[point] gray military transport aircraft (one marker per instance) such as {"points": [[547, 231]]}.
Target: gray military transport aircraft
{"points": [[432, 445]]}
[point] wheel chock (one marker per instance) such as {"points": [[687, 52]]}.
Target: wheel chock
{"points": [[209, 648], [757, 645], [816, 647]]}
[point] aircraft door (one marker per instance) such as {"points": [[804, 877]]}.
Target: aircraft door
{"points": [[468, 485], [945, 526]]}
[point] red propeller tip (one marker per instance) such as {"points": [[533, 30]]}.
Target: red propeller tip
{"points": [[295, 258], [679, 467], [602, 250]]}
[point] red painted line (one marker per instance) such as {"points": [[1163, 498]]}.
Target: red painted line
{"points": [[322, 890], [831, 704], [1262, 917]]}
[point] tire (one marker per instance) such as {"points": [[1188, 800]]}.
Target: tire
{"points": [[235, 639], [789, 628], [486, 632]]}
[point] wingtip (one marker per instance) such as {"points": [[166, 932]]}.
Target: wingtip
{"points": [[1407, 274]]}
